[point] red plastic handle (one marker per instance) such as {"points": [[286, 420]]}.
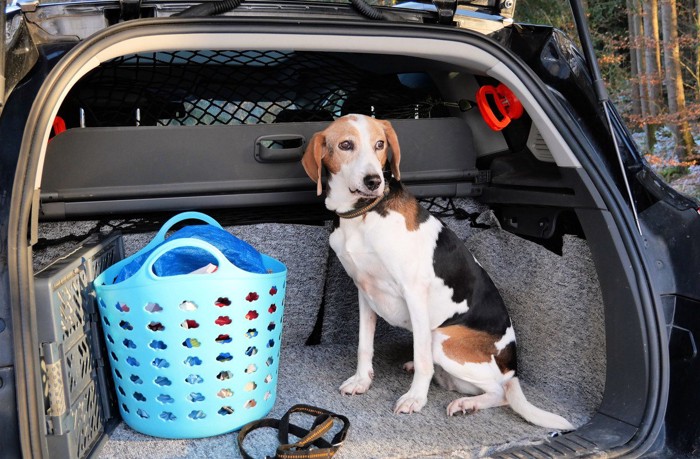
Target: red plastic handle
{"points": [[505, 101], [59, 125]]}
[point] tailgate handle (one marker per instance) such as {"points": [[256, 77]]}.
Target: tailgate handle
{"points": [[279, 148]]}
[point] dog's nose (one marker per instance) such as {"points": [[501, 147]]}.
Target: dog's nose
{"points": [[372, 181]]}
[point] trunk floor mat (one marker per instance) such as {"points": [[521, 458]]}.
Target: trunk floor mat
{"points": [[312, 375], [548, 295]]}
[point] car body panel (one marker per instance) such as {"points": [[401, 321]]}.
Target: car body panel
{"points": [[654, 266]]}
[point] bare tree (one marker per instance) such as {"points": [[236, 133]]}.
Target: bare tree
{"points": [[697, 56], [639, 80], [674, 80], [652, 62], [634, 25]]}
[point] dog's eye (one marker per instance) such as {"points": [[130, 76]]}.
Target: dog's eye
{"points": [[346, 145], [379, 145]]}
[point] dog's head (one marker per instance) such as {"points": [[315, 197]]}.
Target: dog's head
{"points": [[354, 151]]}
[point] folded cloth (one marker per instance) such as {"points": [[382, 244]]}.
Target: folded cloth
{"points": [[184, 260]]}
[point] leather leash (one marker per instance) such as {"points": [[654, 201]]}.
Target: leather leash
{"points": [[301, 449]]}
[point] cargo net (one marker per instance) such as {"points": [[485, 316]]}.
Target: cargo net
{"points": [[242, 87]]}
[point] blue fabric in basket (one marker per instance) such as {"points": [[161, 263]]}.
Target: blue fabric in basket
{"points": [[184, 260]]}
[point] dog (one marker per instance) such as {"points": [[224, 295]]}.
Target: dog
{"points": [[415, 273]]}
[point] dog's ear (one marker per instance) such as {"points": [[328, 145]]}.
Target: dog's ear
{"points": [[395, 149], [312, 159]]}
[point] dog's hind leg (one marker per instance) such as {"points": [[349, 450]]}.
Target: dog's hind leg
{"points": [[448, 382], [482, 394], [465, 366], [492, 397], [458, 352]]}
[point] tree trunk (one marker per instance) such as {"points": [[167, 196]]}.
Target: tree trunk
{"points": [[674, 80], [649, 130], [652, 63], [635, 55], [697, 56]]}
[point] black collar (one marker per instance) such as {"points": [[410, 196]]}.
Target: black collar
{"points": [[368, 207]]}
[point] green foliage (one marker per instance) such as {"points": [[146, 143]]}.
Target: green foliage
{"points": [[608, 24], [609, 27], [673, 172], [551, 12]]}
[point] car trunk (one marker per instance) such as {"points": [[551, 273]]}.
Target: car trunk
{"points": [[547, 294], [215, 120]]}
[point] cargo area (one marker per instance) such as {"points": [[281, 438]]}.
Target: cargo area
{"points": [[221, 131], [548, 295]]}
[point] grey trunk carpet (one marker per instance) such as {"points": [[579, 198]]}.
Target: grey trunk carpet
{"points": [[554, 302]]}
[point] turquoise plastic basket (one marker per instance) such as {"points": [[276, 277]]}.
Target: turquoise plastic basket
{"points": [[193, 355]]}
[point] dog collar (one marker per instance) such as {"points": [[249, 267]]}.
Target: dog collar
{"points": [[367, 208]]}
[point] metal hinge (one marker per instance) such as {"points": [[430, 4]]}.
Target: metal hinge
{"points": [[507, 8], [446, 10]]}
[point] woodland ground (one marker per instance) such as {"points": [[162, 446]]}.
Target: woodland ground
{"points": [[664, 161]]}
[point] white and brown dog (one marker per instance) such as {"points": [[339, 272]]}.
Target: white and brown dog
{"points": [[416, 274]]}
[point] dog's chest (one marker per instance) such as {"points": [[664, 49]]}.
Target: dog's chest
{"points": [[383, 258]]}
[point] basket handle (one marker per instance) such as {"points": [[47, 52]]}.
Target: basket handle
{"points": [[160, 236], [224, 266]]}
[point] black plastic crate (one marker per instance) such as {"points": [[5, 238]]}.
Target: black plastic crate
{"points": [[77, 387]]}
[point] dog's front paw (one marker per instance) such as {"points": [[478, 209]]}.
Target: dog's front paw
{"points": [[409, 403], [356, 384]]}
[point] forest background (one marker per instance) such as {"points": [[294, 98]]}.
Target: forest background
{"points": [[649, 53]]}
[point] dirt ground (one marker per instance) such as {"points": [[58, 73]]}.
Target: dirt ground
{"points": [[689, 184]]}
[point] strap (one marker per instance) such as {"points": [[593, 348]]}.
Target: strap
{"points": [[301, 449], [317, 333], [367, 208]]}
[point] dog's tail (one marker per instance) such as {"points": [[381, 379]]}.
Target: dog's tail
{"points": [[537, 416]]}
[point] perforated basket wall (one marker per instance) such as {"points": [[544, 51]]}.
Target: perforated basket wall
{"points": [[241, 87], [194, 355]]}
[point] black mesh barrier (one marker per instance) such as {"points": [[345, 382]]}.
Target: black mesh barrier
{"points": [[242, 87]]}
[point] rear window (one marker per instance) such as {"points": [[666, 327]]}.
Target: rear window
{"points": [[244, 87]]}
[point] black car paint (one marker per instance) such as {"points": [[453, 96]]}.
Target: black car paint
{"points": [[12, 122], [552, 58]]}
